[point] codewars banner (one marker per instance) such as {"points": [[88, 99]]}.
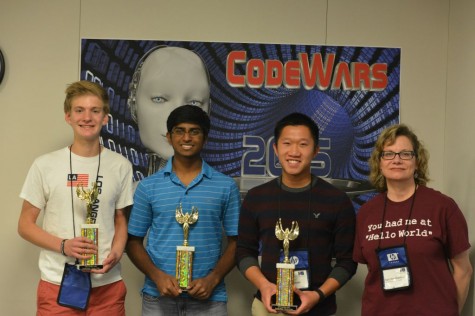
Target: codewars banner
{"points": [[352, 93]]}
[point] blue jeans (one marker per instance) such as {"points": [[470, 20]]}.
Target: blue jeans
{"points": [[181, 306]]}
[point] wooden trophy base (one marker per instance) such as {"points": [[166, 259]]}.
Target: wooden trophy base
{"points": [[86, 268]]}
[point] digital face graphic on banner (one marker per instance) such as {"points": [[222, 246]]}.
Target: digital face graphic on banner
{"points": [[352, 93], [164, 79]]}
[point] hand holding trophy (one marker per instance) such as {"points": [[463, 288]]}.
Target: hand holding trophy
{"points": [[184, 254], [285, 270], [90, 229]]}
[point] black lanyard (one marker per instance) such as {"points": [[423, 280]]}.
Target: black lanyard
{"points": [[407, 220]]}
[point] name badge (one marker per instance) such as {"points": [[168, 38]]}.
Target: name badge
{"points": [[302, 268], [395, 271]]}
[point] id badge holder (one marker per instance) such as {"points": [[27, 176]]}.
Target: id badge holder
{"points": [[302, 268], [395, 270]]}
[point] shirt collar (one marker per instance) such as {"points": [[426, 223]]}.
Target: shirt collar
{"points": [[206, 169]]}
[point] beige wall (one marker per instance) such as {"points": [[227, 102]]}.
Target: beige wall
{"points": [[459, 128], [40, 40]]}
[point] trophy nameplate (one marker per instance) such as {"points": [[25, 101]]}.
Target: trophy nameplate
{"points": [[284, 300], [89, 230], [184, 254]]}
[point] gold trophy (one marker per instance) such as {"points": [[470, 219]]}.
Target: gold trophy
{"points": [[184, 254], [285, 270], [90, 229]]}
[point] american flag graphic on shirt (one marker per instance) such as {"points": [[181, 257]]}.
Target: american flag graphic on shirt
{"points": [[78, 179]]}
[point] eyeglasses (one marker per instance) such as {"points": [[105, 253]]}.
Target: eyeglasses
{"points": [[193, 132], [404, 155]]}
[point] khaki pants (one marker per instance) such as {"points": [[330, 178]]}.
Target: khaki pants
{"points": [[258, 309]]}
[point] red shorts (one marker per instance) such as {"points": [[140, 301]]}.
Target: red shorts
{"points": [[104, 300]]}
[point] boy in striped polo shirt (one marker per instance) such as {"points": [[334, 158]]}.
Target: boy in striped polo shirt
{"points": [[186, 182]]}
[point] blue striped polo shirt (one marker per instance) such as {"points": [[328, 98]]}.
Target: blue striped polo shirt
{"points": [[217, 198]]}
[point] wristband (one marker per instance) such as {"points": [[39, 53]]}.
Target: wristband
{"points": [[62, 247], [321, 294]]}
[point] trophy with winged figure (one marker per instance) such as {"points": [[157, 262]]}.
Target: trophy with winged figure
{"points": [[184, 254], [285, 270], [90, 229]]}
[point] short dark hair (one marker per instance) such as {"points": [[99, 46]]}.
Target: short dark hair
{"points": [[295, 119], [189, 114]]}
